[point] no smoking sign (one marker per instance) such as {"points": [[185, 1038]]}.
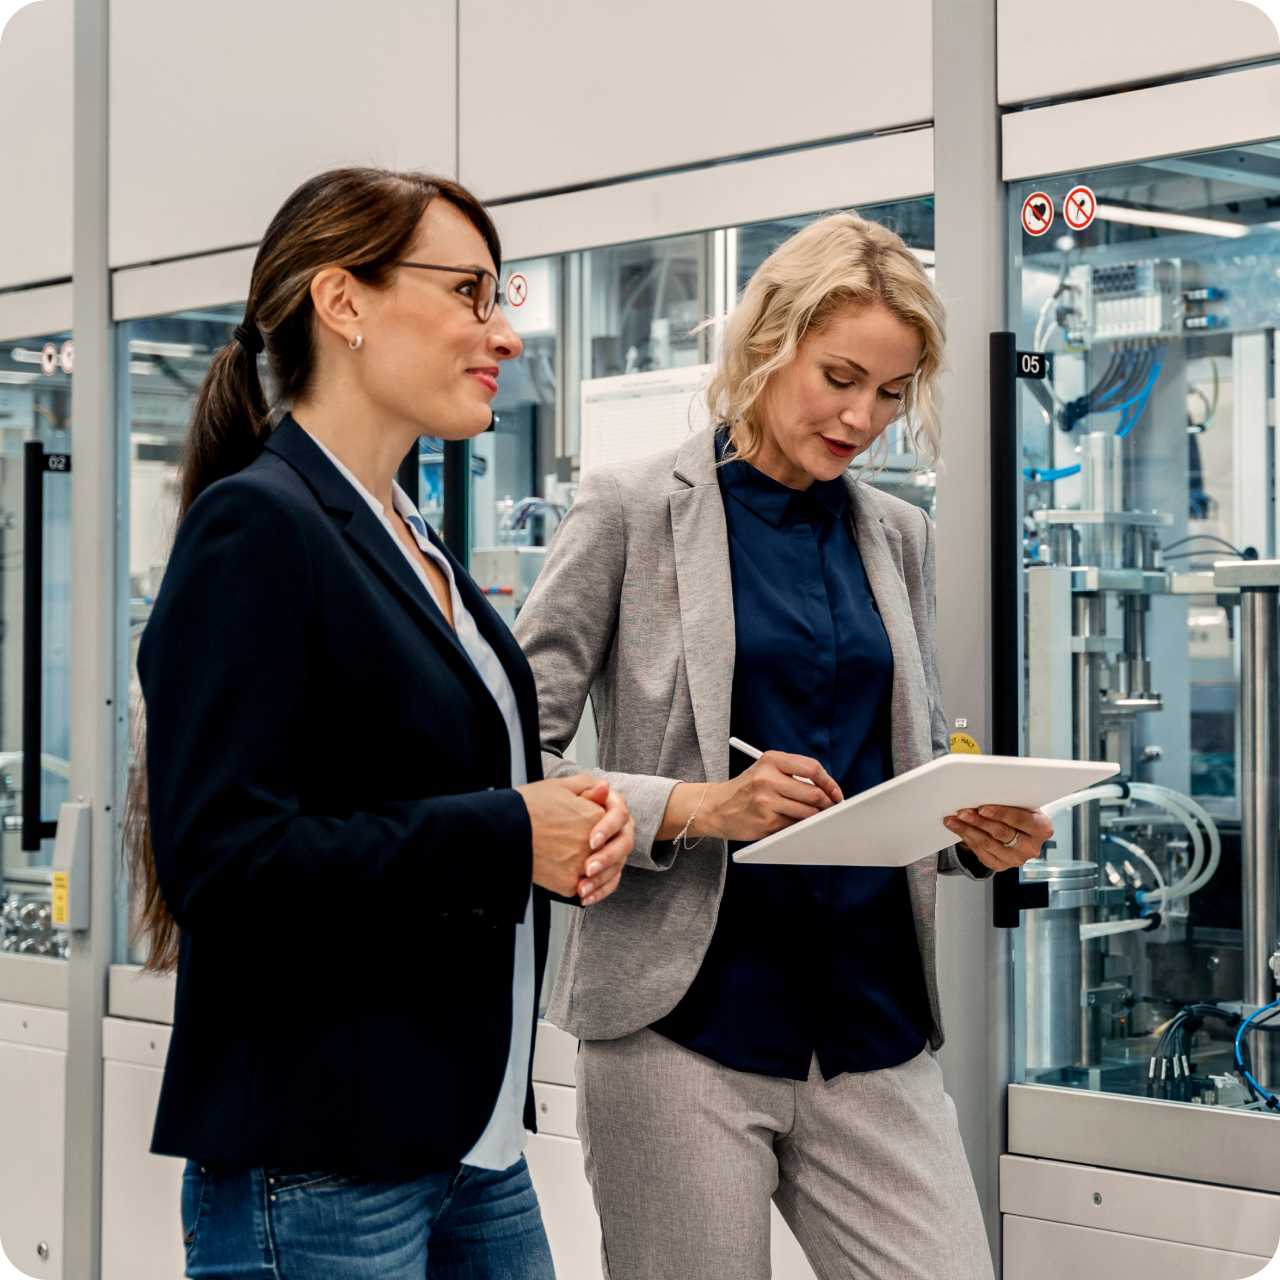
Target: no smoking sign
{"points": [[1080, 207], [517, 290], [1037, 214]]}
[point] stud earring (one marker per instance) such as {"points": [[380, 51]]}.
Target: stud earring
{"points": [[357, 342]]}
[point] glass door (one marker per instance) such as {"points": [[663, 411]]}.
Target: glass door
{"points": [[168, 357], [35, 632], [1146, 528]]}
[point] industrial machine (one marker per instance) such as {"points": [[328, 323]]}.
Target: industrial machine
{"points": [[1150, 589]]}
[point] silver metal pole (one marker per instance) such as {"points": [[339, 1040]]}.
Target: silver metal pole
{"points": [[1259, 793], [971, 240], [1259, 782], [1089, 621], [94, 702]]}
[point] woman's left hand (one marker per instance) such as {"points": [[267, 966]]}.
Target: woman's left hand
{"points": [[999, 837]]}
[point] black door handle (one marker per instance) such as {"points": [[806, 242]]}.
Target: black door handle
{"points": [[35, 465], [1009, 898]]}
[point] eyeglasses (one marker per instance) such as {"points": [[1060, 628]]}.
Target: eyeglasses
{"points": [[485, 297]]}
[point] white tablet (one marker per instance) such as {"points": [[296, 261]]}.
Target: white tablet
{"points": [[900, 821]]}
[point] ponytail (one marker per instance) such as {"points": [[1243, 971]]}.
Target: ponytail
{"points": [[231, 421]]}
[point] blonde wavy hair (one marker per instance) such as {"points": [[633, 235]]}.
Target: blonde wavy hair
{"points": [[838, 261]]}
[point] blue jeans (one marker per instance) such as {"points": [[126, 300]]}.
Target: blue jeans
{"points": [[263, 1224]]}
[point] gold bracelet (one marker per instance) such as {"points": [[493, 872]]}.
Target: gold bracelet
{"points": [[683, 837]]}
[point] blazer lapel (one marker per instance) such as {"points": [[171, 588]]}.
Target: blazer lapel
{"points": [[880, 546], [701, 543], [362, 528]]}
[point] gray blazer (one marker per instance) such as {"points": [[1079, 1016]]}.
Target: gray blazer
{"points": [[635, 607]]}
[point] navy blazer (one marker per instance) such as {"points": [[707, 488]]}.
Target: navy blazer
{"points": [[335, 833]]}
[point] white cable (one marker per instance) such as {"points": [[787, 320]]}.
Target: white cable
{"points": [[1105, 927], [1193, 881], [1107, 791], [1160, 797], [1181, 807], [55, 765]]}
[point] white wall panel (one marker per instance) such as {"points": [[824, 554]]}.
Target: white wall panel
{"points": [[870, 170], [1172, 1210], [35, 144], [211, 280], [1053, 51], [33, 1083], [141, 1219], [218, 112], [554, 93], [30, 313], [1036, 1250], [1194, 115]]}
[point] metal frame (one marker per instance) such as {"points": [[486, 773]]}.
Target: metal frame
{"points": [[969, 241], [95, 709]]}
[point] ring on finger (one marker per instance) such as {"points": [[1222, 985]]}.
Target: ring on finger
{"points": [[1011, 841]]}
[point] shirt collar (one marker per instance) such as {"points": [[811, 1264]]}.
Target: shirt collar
{"points": [[774, 501], [404, 504]]}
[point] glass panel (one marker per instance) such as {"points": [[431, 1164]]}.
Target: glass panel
{"points": [[913, 221], [35, 405], [643, 302], [517, 474], [1148, 456], [168, 359], [520, 473]]}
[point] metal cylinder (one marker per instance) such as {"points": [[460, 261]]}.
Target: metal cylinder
{"points": [[1102, 479], [1061, 550], [1054, 959], [1089, 621], [1259, 787], [1133, 670], [1102, 472]]}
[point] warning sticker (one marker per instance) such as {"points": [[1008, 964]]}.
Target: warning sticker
{"points": [[61, 900], [1037, 214], [1080, 207]]}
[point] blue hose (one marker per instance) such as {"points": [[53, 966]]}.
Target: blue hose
{"points": [[1267, 1096], [1050, 473]]}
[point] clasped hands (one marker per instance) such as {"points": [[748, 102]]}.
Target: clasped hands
{"points": [[583, 833]]}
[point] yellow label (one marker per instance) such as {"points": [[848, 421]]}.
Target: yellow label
{"points": [[61, 909], [966, 745]]}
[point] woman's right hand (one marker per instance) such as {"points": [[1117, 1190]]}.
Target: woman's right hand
{"points": [[767, 797], [563, 818]]}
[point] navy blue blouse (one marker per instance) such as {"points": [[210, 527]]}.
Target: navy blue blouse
{"points": [[806, 959]]}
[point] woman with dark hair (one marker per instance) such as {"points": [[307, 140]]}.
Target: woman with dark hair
{"points": [[341, 837]]}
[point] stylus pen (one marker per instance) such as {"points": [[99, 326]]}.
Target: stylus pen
{"points": [[748, 750]]}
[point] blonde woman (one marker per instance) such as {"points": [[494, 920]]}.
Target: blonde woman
{"points": [[749, 1032]]}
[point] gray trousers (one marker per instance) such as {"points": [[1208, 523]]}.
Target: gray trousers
{"points": [[684, 1155]]}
